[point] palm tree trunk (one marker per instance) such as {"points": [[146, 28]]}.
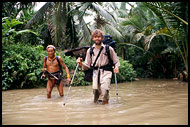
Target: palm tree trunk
{"points": [[123, 53], [64, 25]]}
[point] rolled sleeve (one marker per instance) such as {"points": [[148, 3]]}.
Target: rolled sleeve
{"points": [[114, 57], [86, 64]]}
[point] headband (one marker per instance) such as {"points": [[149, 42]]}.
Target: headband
{"points": [[50, 46]]}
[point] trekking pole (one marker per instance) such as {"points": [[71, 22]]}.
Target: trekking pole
{"points": [[70, 85], [116, 87]]}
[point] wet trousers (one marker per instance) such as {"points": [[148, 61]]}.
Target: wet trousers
{"points": [[101, 84]]}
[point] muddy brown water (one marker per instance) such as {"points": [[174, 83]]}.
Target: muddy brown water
{"points": [[143, 102]]}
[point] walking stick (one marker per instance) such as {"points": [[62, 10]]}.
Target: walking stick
{"points": [[70, 85], [116, 87]]}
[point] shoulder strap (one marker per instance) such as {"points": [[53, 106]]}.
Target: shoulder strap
{"points": [[91, 51], [60, 66], [108, 53], [97, 56], [45, 60]]}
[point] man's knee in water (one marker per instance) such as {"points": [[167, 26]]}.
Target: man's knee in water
{"points": [[60, 89]]}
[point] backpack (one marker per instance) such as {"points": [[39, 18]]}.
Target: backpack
{"points": [[108, 42], [60, 66]]}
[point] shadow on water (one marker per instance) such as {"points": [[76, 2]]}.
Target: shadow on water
{"points": [[143, 102]]}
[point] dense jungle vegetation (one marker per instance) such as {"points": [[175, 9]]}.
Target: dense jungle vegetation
{"points": [[151, 38]]}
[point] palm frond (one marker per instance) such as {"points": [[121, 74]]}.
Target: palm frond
{"points": [[169, 13], [138, 36], [113, 32], [39, 15], [104, 13], [148, 40], [86, 38], [157, 13], [83, 9], [133, 45], [26, 31]]}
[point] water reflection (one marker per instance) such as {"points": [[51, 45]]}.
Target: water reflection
{"points": [[144, 102]]}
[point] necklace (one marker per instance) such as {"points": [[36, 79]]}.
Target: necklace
{"points": [[51, 59]]}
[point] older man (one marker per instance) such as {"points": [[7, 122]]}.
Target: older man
{"points": [[52, 66]]}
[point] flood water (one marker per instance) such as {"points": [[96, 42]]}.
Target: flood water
{"points": [[143, 102]]}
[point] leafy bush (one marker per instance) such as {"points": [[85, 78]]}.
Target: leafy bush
{"points": [[71, 64], [9, 32], [126, 72], [22, 66]]}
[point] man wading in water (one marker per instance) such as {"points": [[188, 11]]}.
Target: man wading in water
{"points": [[102, 72], [52, 67]]}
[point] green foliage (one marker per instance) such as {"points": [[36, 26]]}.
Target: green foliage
{"points": [[79, 79], [71, 64], [21, 67], [68, 60], [126, 72], [155, 27], [9, 31], [13, 9]]}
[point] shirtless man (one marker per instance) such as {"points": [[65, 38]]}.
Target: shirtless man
{"points": [[51, 65]]}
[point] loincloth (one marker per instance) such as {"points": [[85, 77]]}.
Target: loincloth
{"points": [[57, 74]]}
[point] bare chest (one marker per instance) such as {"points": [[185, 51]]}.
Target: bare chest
{"points": [[52, 63]]}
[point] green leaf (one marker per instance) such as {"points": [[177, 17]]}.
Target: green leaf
{"points": [[27, 31]]}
